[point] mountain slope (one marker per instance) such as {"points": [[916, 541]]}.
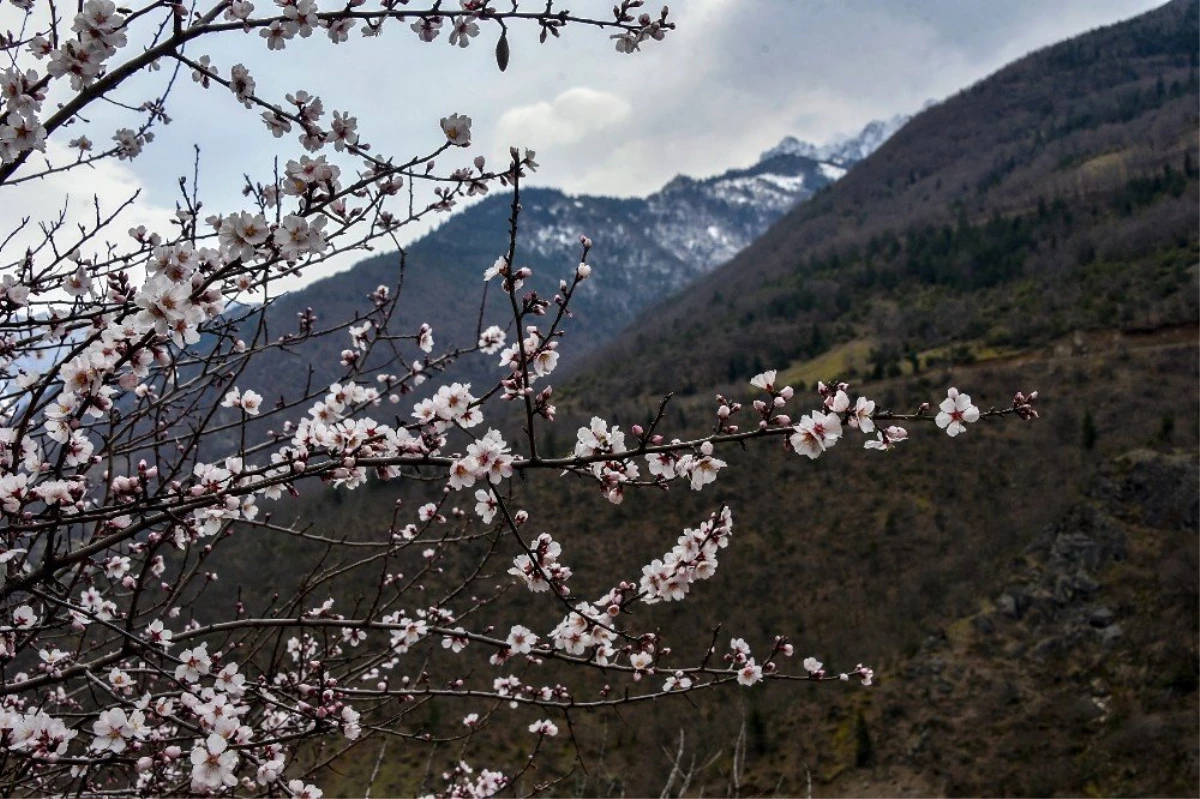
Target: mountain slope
{"points": [[1027, 593], [645, 249], [1058, 193]]}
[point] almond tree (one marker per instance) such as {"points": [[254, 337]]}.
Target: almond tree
{"points": [[130, 450]]}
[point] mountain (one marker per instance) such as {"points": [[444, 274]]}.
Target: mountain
{"points": [[846, 150], [1027, 593], [1058, 194], [645, 250]]}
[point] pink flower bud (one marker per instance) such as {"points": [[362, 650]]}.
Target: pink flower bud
{"points": [[172, 752], [144, 764]]}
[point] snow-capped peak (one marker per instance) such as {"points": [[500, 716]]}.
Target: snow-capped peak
{"points": [[792, 146], [841, 150]]}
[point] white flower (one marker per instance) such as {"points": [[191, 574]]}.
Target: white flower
{"points": [[491, 340], [677, 682], [116, 567], [158, 635], [241, 233], [300, 790], [297, 236], [427, 28], [119, 679], [24, 617], [213, 764], [816, 433], [485, 506], [703, 470], [464, 28], [521, 640], [196, 662], [113, 728], [251, 401], [955, 412], [812, 665], [887, 439], [765, 381], [499, 267], [596, 438], [749, 673], [860, 417], [457, 129], [544, 727]]}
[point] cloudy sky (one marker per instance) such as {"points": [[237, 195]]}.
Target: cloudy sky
{"points": [[735, 78]]}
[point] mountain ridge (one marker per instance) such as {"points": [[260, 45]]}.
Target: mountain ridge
{"points": [[1026, 593], [645, 250], [978, 192]]}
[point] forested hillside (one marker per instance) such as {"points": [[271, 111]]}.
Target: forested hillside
{"points": [[1058, 194], [1026, 593]]}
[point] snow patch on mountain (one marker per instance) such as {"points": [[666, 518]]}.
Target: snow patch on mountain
{"points": [[661, 243], [841, 151]]}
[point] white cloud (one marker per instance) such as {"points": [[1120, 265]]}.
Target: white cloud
{"points": [[75, 196], [577, 113]]}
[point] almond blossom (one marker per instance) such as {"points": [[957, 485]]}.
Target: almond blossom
{"points": [[955, 412], [816, 433]]}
